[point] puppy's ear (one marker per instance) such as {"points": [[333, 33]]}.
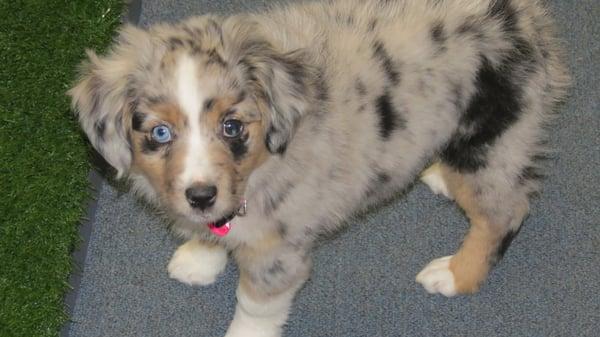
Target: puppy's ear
{"points": [[283, 81], [102, 97]]}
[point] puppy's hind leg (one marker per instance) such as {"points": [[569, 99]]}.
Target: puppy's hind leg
{"points": [[495, 213], [197, 263]]}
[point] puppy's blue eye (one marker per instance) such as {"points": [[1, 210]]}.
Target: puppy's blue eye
{"points": [[232, 128], [161, 134]]}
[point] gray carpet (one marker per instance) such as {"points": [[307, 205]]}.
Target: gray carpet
{"points": [[363, 281]]}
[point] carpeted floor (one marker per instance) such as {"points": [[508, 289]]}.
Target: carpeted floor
{"points": [[363, 282]]}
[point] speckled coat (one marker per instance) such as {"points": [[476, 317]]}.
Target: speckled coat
{"points": [[342, 104]]}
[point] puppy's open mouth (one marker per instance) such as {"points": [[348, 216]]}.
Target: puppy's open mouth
{"points": [[222, 226], [223, 221]]}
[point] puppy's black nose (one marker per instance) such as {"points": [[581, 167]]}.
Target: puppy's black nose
{"points": [[201, 196]]}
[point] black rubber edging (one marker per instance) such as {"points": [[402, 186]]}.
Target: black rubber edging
{"points": [[96, 179]]}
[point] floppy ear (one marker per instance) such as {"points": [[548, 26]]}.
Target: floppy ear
{"points": [[102, 100], [284, 82]]}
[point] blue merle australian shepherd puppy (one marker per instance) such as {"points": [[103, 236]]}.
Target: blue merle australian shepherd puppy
{"points": [[257, 132]]}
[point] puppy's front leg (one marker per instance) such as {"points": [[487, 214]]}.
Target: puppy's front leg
{"points": [[269, 280], [197, 263]]}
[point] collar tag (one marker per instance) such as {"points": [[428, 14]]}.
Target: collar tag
{"points": [[243, 208]]}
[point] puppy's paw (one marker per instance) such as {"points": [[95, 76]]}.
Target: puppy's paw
{"points": [[244, 325], [235, 330], [196, 263], [433, 178], [437, 277]]}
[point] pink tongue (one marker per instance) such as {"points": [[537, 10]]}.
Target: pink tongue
{"points": [[220, 231]]}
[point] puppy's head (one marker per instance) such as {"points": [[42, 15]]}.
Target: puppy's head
{"points": [[190, 111]]}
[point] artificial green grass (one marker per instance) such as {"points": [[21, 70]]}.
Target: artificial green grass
{"points": [[43, 156]]}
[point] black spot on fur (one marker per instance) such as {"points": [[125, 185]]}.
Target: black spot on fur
{"points": [[362, 108], [274, 273], [530, 173], [276, 268], [542, 156], [137, 120], [174, 43], [361, 89], [274, 198], [322, 89], [240, 97], [545, 53], [467, 27], [377, 183], [191, 43], [149, 145], [523, 56], [195, 34], [100, 127], [503, 246], [215, 28], [387, 116], [494, 107], [503, 10], [383, 178], [372, 25], [498, 101], [471, 27], [239, 147], [197, 51], [438, 35], [297, 72], [282, 229], [215, 58], [208, 104], [389, 66], [280, 149]]}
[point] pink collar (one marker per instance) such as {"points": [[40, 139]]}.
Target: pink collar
{"points": [[223, 226]]}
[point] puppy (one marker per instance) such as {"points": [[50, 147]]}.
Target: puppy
{"points": [[256, 133]]}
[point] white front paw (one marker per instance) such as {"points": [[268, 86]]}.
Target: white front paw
{"points": [[437, 277], [244, 325], [196, 263]]}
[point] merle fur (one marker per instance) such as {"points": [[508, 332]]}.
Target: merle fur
{"points": [[137, 120], [495, 106], [273, 199], [389, 66], [388, 116], [239, 147], [150, 146], [100, 127]]}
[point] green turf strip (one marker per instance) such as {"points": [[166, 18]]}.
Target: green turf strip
{"points": [[43, 156]]}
